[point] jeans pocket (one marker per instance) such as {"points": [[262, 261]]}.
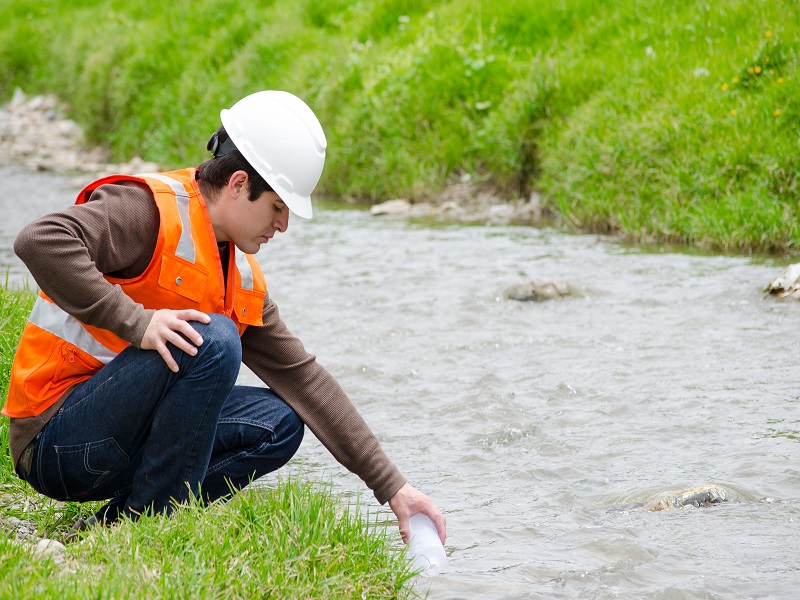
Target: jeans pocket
{"points": [[85, 467]]}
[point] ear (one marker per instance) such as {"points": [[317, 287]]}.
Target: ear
{"points": [[238, 183]]}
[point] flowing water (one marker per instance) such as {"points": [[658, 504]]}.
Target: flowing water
{"points": [[538, 428]]}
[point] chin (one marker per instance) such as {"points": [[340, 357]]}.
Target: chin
{"points": [[248, 249]]}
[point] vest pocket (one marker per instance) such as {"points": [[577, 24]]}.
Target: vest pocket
{"points": [[182, 277], [74, 367], [249, 307], [56, 367]]}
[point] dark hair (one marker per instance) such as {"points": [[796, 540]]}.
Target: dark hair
{"points": [[217, 171]]}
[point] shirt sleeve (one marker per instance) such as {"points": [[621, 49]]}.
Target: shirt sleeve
{"points": [[279, 359], [69, 252]]}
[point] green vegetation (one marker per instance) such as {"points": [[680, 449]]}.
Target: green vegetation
{"points": [[15, 305], [655, 119], [288, 542], [294, 540]]}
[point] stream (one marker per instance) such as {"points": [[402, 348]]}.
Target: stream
{"points": [[540, 429]]}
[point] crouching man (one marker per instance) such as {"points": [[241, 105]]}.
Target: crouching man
{"points": [[123, 387]]}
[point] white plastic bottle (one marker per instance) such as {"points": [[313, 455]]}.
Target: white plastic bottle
{"points": [[425, 548]]}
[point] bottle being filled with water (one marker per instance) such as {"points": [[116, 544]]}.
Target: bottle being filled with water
{"points": [[425, 548]]}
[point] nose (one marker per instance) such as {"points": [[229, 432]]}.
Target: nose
{"points": [[281, 221]]}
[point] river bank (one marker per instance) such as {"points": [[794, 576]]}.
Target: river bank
{"points": [[36, 133], [652, 121]]}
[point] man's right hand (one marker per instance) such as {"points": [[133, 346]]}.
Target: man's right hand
{"points": [[171, 326]]}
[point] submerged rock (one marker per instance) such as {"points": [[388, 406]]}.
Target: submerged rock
{"points": [[787, 285], [707, 495], [539, 291]]}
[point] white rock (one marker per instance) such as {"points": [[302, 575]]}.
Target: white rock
{"points": [[52, 548], [787, 284]]}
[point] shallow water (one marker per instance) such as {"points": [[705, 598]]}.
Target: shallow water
{"points": [[529, 424]]}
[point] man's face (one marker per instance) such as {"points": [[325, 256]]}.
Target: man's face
{"points": [[253, 223]]}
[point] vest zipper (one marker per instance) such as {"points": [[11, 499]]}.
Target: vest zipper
{"points": [[70, 352]]}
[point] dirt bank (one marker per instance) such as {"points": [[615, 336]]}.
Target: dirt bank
{"points": [[35, 133]]}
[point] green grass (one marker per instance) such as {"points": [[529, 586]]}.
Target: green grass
{"points": [[614, 110], [15, 305], [294, 540]]}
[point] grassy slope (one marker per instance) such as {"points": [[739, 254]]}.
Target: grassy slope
{"points": [[294, 541], [614, 109]]}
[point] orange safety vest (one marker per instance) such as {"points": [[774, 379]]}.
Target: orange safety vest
{"points": [[57, 351]]}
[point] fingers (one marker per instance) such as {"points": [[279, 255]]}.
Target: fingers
{"points": [[408, 501], [441, 526], [180, 324], [405, 531], [173, 327], [167, 356]]}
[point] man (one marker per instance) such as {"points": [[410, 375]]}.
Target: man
{"points": [[123, 385]]}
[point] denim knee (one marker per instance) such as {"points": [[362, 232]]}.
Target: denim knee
{"points": [[221, 333], [287, 436], [293, 429]]}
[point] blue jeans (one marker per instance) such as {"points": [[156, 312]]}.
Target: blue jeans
{"points": [[146, 437]]}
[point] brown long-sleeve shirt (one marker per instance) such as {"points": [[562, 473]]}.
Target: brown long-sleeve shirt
{"points": [[69, 252]]}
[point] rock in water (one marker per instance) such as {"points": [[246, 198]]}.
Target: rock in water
{"points": [[539, 291], [697, 497], [787, 285], [706, 495]]}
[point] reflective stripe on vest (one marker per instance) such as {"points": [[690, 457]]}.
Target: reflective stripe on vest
{"points": [[52, 319], [185, 245]]}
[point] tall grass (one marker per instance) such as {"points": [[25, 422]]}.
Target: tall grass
{"points": [[676, 121], [15, 305], [295, 540]]}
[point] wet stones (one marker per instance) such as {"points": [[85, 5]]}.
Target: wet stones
{"points": [[698, 497], [464, 203], [35, 133], [541, 291]]}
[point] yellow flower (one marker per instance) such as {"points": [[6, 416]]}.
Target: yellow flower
{"points": [[772, 71], [735, 80], [776, 112], [750, 70], [780, 79], [757, 69], [769, 33], [724, 86], [766, 59], [733, 112]]}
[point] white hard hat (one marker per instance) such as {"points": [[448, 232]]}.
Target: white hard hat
{"points": [[281, 137]]}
